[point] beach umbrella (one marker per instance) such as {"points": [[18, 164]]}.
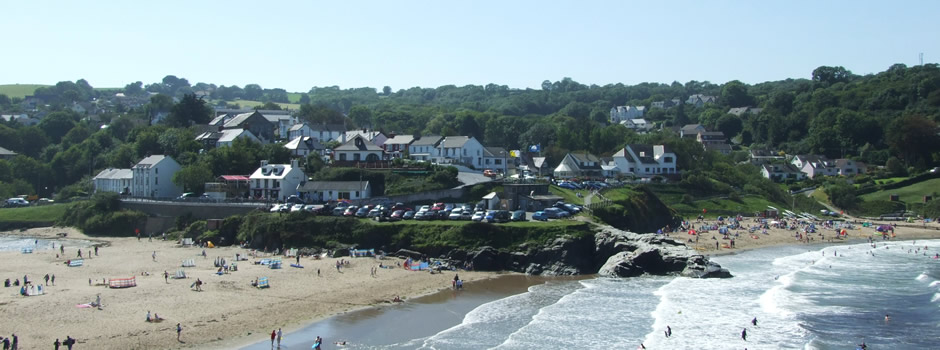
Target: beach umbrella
{"points": [[691, 232]]}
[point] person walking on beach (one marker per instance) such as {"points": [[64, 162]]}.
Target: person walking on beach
{"points": [[754, 321], [179, 329], [62, 249], [53, 279], [46, 277], [6, 343], [57, 344], [744, 334], [166, 277], [154, 255], [273, 336], [79, 253], [668, 331], [279, 337], [318, 272], [16, 343], [69, 341], [96, 250]]}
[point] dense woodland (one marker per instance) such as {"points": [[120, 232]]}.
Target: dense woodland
{"points": [[885, 118]]}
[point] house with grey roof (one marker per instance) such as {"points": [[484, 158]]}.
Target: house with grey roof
{"points": [[714, 141], [619, 114], [301, 146], [739, 111], [322, 132], [760, 156], [357, 150], [376, 137], [464, 150], [699, 100], [6, 154], [113, 180], [397, 145], [153, 178], [497, 159], [255, 122], [781, 172], [425, 148], [324, 191], [643, 160], [579, 165]]}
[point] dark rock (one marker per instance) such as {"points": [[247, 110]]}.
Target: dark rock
{"points": [[620, 265], [699, 266], [485, 259], [456, 254]]}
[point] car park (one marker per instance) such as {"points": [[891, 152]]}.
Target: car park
{"points": [[518, 215], [556, 213], [408, 215], [540, 215], [478, 216]]}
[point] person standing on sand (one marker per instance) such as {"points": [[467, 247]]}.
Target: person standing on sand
{"points": [[754, 321], [53, 279], [57, 344], [279, 337], [166, 277], [179, 329], [16, 343], [46, 277], [668, 331], [273, 336], [96, 250], [154, 255], [744, 334]]}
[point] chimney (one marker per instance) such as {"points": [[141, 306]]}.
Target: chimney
{"points": [[264, 163], [294, 164]]}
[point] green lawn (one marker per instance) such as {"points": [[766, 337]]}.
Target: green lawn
{"points": [[294, 97], [570, 196], [715, 207], [252, 104], [911, 194], [45, 213], [19, 90]]}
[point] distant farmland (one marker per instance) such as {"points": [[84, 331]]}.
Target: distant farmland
{"points": [[19, 90]]}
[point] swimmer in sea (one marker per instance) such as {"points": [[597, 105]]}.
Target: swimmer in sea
{"points": [[754, 321], [887, 318]]}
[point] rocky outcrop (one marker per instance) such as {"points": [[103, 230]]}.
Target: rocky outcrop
{"points": [[610, 252]]}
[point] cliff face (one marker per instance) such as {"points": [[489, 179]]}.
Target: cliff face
{"points": [[642, 211]]}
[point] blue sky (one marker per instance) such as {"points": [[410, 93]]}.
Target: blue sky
{"points": [[299, 44]]}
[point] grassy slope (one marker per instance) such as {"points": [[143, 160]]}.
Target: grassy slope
{"points": [[911, 194], [569, 196], [19, 90], [252, 104], [46, 213], [672, 196]]}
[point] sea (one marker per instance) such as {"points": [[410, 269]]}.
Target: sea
{"points": [[17, 243], [801, 297]]}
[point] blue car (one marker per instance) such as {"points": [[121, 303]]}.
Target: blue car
{"points": [[540, 215]]}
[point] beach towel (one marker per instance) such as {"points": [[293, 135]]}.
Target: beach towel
{"points": [[27, 250], [265, 261], [122, 282], [189, 263], [76, 263], [180, 274], [263, 282], [276, 264], [84, 306], [296, 265]]}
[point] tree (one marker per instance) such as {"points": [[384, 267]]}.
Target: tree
{"points": [[193, 177], [304, 99], [387, 90], [253, 92], [915, 139], [831, 75], [190, 110], [269, 106], [134, 89], [730, 125], [734, 94], [57, 124], [361, 115], [314, 162]]}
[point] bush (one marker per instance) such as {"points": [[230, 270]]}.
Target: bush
{"points": [[102, 216]]}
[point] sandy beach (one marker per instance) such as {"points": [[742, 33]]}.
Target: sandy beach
{"points": [[778, 236], [228, 312]]}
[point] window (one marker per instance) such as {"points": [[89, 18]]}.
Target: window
{"points": [[356, 157], [344, 195], [647, 170], [257, 182], [156, 180], [156, 171], [265, 183], [498, 161], [342, 156], [667, 160], [277, 184], [357, 194]]}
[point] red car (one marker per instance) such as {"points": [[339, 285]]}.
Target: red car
{"points": [[489, 173], [437, 206]]}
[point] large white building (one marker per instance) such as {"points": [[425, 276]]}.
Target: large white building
{"points": [[153, 178], [646, 160], [621, 113], [464, 150], [276, 181], [357, 149], [425, 148], [323, 191], [114, 180]]}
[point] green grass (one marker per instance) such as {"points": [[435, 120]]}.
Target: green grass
{"points": [[911, 194], [890, 180], [252, 104], [45, 213], [719, 206], [570, 196], [19, 90], [294, 97]]}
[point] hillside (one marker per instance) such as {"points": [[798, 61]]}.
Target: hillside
{"points": [[19, 90]]}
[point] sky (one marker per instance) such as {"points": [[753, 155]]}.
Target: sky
{"points": [[296, 45]]}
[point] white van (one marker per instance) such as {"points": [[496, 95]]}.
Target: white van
{"points": [[17, 202]]}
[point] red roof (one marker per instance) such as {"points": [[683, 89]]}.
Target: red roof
{"points": [[234, 177]]}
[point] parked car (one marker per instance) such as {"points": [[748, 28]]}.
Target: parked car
{"points": [[424, 208], [478, 216], [396, 215], [16, 202], [188, 196], [479, 207], [454, 215], [556, 213], [311, 208], [362, 212], [518, 215], [339, 211], [294, 199], [376, 212], [574, 208], [408, 215], [489, 173], [350, 210], [438, 206], [275, 208], [540, 215], [490, 216], [500, 216], [47, 201], [419, 215], [466, 215], [296, 208]]}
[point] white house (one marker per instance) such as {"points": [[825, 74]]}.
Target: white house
{"points": [[282, 121], [301, 146], [814, 166], [153, 178], [739, 111], [646, 160], [848, 167], [425, 148], [758, 156], [781, 172], [276, 181], [699, 100], [397, 145], [691, 130], [582, 165], [322, 132], [377, 138], [622, 113], [496, 158], [639, 125], [464, 150], [229, 135], [357, 149], [322, 191], [114, 180]]}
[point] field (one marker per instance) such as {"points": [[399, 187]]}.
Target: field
{"points": [[714, 206], [19, 90], [570, 196], [911, 194], [45, 213], [252, 104]]}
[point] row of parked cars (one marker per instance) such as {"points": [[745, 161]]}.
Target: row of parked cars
{"points": [[560, 210], [585, 185]]}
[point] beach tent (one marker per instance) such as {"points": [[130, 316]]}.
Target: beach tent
{"points": [[122, 282], [35, 290], [883, 228], [76, 263], [263, 283], [180, 274], [189, 263], [292, 252], [275, 264], [210, 245], [187, 241], [361, 252]]}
